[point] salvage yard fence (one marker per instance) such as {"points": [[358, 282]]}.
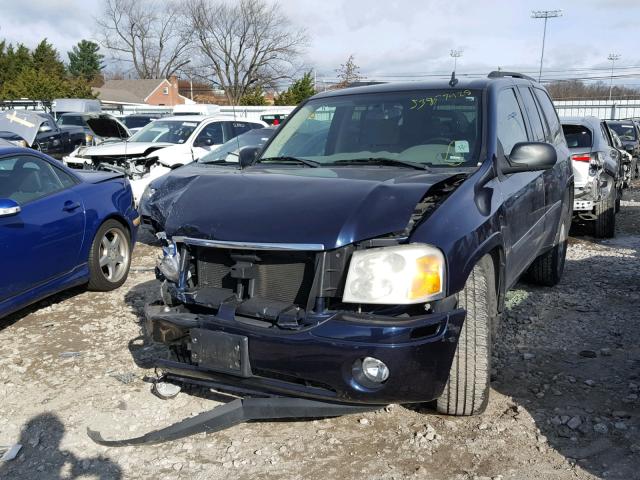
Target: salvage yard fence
{"points": [[604, 109]]}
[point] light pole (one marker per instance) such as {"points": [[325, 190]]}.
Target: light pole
{"points": [[546, 14], [455, 54], [613, 57]]}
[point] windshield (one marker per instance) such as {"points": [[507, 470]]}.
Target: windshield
{"points": [[626, 131], [165, 131], [436, 128], [229, 151]]}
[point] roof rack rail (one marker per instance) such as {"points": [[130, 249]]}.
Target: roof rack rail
{"points": [[501, 74]]}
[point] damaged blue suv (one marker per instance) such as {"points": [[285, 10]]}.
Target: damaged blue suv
{"points": [[362, 256]]}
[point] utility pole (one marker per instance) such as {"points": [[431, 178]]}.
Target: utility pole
{"points": [[613, 57], [546, 14], [455, 54]]}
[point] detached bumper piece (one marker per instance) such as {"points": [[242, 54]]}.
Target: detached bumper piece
{"points": [[234, 413]]}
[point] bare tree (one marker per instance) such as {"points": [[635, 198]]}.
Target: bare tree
{"points": [[245, 45], [348, 73], [148, 33]]}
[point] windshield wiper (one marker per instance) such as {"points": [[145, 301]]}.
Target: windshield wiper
{"points": [[381, 161], [303, 161]]}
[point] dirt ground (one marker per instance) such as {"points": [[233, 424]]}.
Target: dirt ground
{"points": [[564, 401]]}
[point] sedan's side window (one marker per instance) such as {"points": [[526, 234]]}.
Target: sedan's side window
{"points": [[511, 129], [25, 179], [210, 135]]}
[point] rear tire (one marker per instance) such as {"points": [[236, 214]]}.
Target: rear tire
{"points": [[467, 389], [604, 225], [547, 269], [109, 257]]}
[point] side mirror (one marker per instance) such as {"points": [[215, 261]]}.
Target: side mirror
{"points": [[45, 128], [203, 142], [530, 157], [8, 207], [247, 156]]}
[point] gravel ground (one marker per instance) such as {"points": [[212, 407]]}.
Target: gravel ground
{"points": [[564, 403]]}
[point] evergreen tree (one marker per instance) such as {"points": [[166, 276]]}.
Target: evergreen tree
{"points": [[254, 96], [47, 59], [299, 90], [13, 61], [85, 61]]}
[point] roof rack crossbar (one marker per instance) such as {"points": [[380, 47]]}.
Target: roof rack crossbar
{"points": [[501, 74]]}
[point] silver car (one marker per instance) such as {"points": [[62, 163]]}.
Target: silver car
{"points": [[597, 173]]}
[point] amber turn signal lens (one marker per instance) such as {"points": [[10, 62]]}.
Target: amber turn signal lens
{"points": [[428, 277]]}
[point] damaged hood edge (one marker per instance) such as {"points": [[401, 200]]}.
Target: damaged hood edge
{"points": [[332, 207]]}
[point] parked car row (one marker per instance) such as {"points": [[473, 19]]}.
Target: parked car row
{"points": [[603, 166], [359, 253], [159, 147]]}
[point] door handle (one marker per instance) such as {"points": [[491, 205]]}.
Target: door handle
{"points": [[70, 206]]}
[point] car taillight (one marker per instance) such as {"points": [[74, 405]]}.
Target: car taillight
{"points": [[581, 157]]}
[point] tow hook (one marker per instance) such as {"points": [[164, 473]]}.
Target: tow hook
{"points": [[235, 412]]}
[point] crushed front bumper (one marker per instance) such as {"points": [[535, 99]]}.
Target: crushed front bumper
{"points": [[318, 362]]}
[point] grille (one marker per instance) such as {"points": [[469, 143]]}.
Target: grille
{"points": [[283, 276]]}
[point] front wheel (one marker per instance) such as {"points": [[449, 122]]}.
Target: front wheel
{"points": [[467, 389], [109, 257]]}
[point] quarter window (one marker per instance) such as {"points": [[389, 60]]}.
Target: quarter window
{"points": [[511, 129]]}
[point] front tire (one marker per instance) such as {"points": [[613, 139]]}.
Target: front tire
{"points": [[467, 389], [109, 257]]}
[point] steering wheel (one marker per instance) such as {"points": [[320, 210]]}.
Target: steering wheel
{"points": [[443, 140]]}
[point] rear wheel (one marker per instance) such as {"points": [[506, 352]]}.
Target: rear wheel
{"points": [[547, 269], [109, 257], [604, 225], [467, 389]]}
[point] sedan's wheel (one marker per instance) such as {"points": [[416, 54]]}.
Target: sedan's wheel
{"points": [[467, 389], [110, 257], [604, 225]]}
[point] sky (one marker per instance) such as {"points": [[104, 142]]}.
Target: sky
{"points": [[405, 39]]}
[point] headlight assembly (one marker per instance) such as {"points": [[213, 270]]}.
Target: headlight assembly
{"points": [[148, 193], [402, 274]]}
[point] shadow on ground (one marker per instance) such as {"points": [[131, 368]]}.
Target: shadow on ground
{"points": [[42, 458]]}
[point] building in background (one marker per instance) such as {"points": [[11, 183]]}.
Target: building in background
{"points": [[158, 92]]}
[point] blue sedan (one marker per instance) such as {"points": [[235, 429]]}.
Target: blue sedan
{"points": [[60, 228]]}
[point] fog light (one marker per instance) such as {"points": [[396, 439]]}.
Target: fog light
{"points": [[374, 370]]}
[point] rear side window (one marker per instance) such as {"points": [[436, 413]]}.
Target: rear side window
{"points": [[533, 113], [578, 136], [76, 120], [511, 129], [550, 114]]}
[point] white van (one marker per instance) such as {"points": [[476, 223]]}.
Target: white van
{"points": [[75, 105]]}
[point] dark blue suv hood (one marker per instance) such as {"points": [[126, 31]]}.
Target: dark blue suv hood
{"points": [[328, 206]]}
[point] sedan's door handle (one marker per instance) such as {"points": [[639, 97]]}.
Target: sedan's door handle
{"points": [[70, 206]]}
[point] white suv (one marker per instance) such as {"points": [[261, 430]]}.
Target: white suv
{"points": [[161, 146]]}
